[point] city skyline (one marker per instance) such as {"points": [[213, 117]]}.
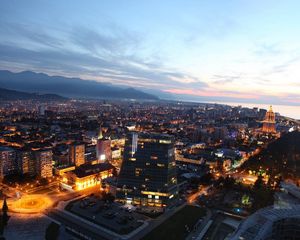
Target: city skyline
{"points": [[145, 120], [242, 52]]}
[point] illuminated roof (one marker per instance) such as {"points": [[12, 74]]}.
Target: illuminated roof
{"points": [[89, 169]]}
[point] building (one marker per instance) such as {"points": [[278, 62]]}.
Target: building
{"points": [[270, 224], [7, 161], [86, 176], [116, 153], [90, 153], [269, 122], [103, 148], [44, 163], [76, 154], [41, 110], [148, 172], [26, 162]]}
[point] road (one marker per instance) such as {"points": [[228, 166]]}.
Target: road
{"points": [[193, 197]]}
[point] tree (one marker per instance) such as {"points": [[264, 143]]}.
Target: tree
{"points": [[4, 217], [259, 183]]}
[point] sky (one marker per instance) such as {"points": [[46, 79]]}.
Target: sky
{"points": [[231, 51]]}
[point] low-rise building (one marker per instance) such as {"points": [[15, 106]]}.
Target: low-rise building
{"points": [[86, 176]]}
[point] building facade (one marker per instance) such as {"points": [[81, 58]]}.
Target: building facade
{"points": [[86, 176], [76, 154], [7, 161], [26, 163], [148, 172], [44, 163]]}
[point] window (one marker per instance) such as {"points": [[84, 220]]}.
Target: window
{"points": [[160, 165], [138, 172]]}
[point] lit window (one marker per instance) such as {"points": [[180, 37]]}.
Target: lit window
{"points": [[138, 172], [164, 141], [160, 165], [153, 157]]}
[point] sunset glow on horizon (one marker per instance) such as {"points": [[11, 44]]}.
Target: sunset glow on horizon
{"points": [[232, 51]]}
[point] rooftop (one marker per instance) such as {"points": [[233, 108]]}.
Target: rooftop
{"points": [[88, 169]]}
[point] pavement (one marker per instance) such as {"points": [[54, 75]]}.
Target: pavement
{"points": [[26, 226]]}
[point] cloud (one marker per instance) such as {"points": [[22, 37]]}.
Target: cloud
{"points": [[224, 79], [103, 66], [267, 49], [213, 93]]}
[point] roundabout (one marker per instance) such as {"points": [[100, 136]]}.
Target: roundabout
{"points": [[34, 203]]}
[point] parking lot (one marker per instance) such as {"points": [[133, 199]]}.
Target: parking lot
{"points": [[111, 216]]}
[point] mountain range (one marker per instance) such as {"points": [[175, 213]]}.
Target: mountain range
{"points": [[12, 95], [41, 83]]}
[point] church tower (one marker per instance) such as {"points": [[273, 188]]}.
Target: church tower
{"points": [[269, 122]]}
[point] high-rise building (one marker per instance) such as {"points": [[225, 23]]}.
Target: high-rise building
{"points": [[76, 154], [148, 172], [90, 153], [269, 122], [103, 148], [26, 162], [44, 163], [7, 161]]}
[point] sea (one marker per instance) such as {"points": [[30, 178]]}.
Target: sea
{"points": [[284, 110]]}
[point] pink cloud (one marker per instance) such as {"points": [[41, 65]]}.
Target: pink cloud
{"points": [[211, 93]]}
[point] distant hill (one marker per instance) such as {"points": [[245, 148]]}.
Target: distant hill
{"points": [[281, 156], [69, 87], [11, 95]]}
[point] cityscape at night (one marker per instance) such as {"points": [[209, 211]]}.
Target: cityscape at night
{"points": [[149, 120]]}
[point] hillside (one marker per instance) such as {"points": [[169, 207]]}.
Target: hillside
{"points": [[281, 156], [12, 95], [69, 87]]}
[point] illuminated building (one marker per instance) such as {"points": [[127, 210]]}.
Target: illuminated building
{"points": [[269, 122], [26, 163], [103, 148], [7, 161], [61, 170], [148, 172], [44, 163], [90, 153], [86, 176], [115, 153], [76, 154]]}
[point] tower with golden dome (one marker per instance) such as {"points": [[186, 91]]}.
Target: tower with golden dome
{"points": [[269, 122]]}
